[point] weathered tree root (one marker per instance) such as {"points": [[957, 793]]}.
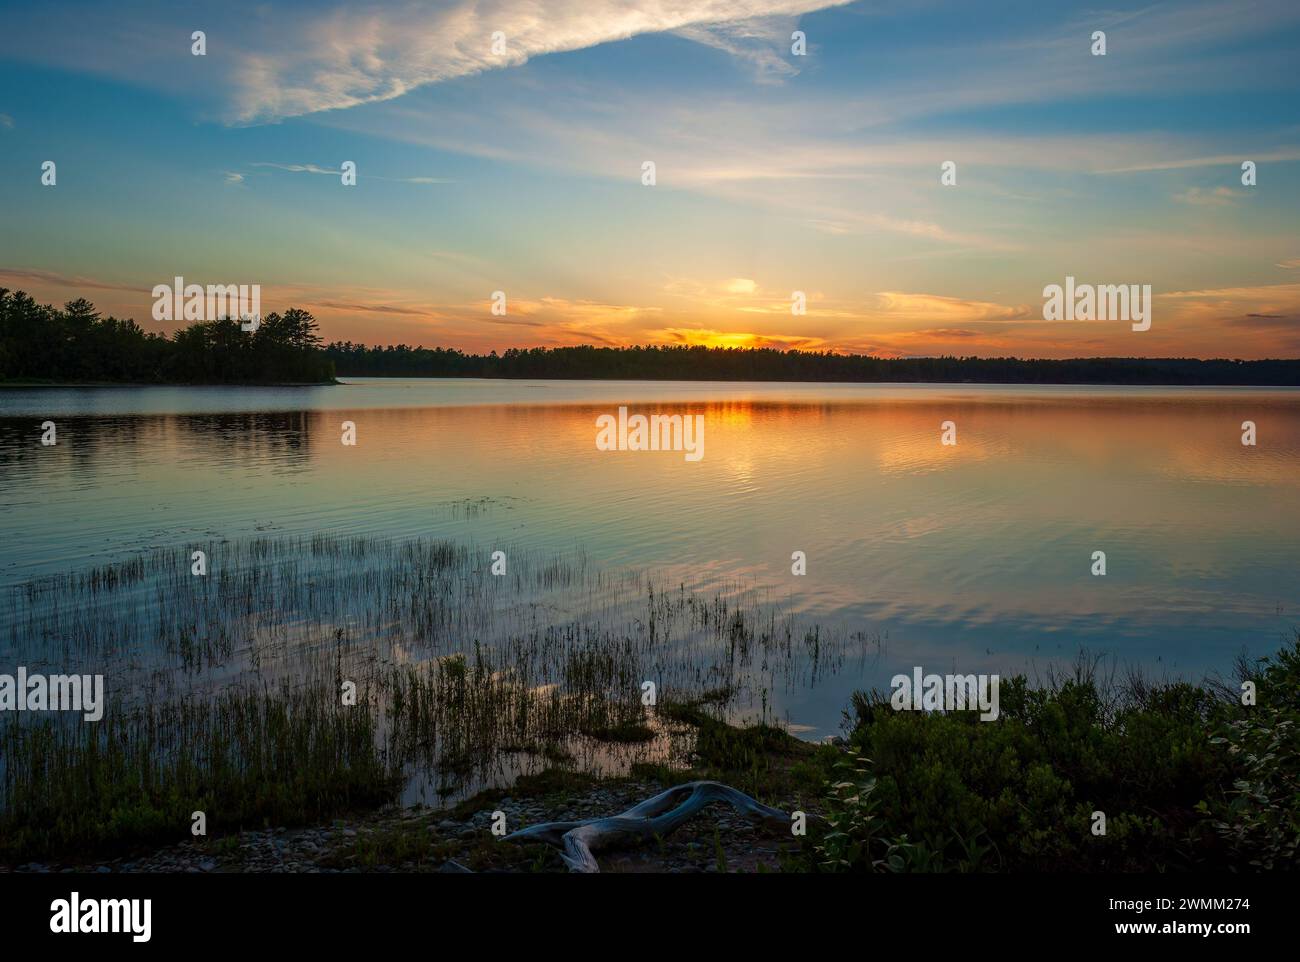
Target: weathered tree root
{"points": [[650, 819]]}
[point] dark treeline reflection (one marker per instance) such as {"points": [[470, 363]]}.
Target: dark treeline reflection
{"points": [[89, 441]]}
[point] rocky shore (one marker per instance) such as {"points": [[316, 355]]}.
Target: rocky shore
{"points": [[459, 839]]}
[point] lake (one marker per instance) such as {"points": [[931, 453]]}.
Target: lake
{"points": [[975, 557]]}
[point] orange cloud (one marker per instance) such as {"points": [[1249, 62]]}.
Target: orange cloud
{"points": [[1243, 321], [928, 308]]}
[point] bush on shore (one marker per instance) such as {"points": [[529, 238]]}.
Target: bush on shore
{"points": [[1187, 776]]}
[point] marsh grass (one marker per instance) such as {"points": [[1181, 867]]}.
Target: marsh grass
{"points": [[226, 691], [244, 758]]}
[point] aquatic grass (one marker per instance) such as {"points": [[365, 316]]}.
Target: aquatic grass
{"points": [[244, 759], [227, 689]]}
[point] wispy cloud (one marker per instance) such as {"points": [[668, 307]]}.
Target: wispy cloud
{"points": [[761, 42], [22, 275], [354, 56], [370, 308], [1266, 307], [904, 307], [1217, 160], [1202, 197], [774, 172], [299, 168], [317, 169]]}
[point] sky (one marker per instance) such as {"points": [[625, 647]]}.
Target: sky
{"points": [[520, 169]]}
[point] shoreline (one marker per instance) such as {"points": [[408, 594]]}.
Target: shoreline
{"points": [[1165, 765], [340, 381], [776, 766], [138, 384], [460, 839]]}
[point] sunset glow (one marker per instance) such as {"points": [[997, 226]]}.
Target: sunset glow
{"points": [[815, 173]]}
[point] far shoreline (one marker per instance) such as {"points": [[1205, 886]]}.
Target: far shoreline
{"points": [[342, 380], [20, 383]]}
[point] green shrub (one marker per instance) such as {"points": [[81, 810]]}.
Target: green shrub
{"points": [[1187, 777], [1260, 819]]}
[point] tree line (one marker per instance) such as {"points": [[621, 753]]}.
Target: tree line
{"points": [[75, 343], [40, 342], [767, 364]]}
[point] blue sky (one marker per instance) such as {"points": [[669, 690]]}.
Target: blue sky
{"points": [[521, 172]]}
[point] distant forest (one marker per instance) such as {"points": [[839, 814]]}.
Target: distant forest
{"points": [[75, 344], [766, 364], [39, 342]]}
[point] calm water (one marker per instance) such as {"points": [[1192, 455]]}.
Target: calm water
{"points": [[973, 558]]}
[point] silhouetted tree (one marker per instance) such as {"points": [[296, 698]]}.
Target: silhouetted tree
{"points": [[764, 364], [78, 344]]}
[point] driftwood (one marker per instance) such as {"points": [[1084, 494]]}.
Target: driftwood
{"points": [[655, 817]]}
